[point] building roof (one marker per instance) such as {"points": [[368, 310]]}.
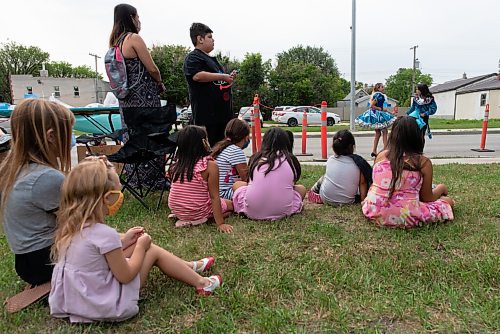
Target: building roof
{"points": [[492, 83], [458, 83], [348, 96]]}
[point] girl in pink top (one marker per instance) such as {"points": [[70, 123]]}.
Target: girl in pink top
{"points": [[194, 195], [273, 171], [98, 272], [402, 194]]}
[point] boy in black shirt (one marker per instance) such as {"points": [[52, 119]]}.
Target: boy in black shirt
{"points": [[209, 87]]}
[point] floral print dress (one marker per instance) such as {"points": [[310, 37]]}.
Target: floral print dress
{"points": [[404, 209]]}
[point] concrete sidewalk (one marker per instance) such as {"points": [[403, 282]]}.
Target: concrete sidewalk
{"points": [[435, 161], [369, 133]]}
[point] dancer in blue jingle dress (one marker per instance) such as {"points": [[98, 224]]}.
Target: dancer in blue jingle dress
{"points": [[377, 117]]}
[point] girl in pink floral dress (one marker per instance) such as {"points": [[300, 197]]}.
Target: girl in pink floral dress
{"points": [[401, 194]]}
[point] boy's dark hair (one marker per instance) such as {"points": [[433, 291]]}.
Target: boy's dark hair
{"points": [[198, 29], [343, 142], [275, 144], [236, 130], [190, 148], [406, 141]]}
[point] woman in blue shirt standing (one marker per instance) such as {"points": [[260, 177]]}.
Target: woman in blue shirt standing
{"points": [[423, 105], [377, 117]]}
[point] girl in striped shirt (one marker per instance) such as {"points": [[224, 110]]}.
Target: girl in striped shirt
{"points": [[194, 195], [230, 158]]}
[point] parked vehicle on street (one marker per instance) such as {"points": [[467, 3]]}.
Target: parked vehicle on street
{"points": [[293, 116], [278, 109], [245, 114], [185, 115]]}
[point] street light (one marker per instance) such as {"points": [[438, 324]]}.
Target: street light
{"points": [[414, 48], [353, 65]]}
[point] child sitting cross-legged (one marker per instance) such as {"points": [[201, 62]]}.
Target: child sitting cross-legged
{"points": [[347, 176], [272, 192], [98, 274]]}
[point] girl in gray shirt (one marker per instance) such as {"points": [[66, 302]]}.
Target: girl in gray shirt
{"points": [[347, 174]]}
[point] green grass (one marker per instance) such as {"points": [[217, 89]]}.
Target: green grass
{"points": [[435, 123], [326, 270]]}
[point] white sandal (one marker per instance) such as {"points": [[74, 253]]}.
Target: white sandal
{"points": [[208, 262]]}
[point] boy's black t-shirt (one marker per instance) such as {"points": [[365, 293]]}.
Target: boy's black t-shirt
{"points": [[209, 103]]}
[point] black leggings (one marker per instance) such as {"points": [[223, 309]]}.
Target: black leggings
{"points": [[35, 267]]}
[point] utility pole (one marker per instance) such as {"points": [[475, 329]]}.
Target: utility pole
{"points": [[353, 65], [96, 75], [414, 48]]}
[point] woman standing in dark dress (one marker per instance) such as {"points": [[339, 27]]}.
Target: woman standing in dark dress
{"points": [[143, 76]]}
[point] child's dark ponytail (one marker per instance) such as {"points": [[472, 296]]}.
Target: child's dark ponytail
{"points": [[343, 142], [236, 131]]}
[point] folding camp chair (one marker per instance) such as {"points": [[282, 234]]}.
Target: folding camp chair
{"points": [[148, 148]]}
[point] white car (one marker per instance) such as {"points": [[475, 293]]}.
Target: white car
{"points": [[245, 114], [278, 109], [293, 116]]}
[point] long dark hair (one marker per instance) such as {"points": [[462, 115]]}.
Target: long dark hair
{"points": [[424, 90], [236, 131], [343, 142], [275, 145], [122, 23], [192, 145], [405, 141]]}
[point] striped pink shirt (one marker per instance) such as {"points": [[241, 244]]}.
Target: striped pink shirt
{"points": [[191, 200]]}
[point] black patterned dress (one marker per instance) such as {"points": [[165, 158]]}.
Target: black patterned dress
{"points": [[143, 92]]}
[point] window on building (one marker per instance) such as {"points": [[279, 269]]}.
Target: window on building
{"points": [[57, 92], [76, 91], [482, 103], [29, 89]]}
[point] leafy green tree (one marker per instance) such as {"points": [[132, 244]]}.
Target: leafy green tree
{"points": [[398, 86], [62, 69], [309, 55], [306, 76], [18, 59], [250, 80], [170, 60]]}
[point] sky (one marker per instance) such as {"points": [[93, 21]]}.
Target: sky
{"points": [[453, 36]]}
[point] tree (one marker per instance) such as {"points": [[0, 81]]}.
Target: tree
{"points": [[250, 80], [398, 86], [170, 60], [309, 55], [18, 59], [306, 76], [62, 69]]}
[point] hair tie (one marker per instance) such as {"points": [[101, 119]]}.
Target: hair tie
{"points": [[228, 139]]}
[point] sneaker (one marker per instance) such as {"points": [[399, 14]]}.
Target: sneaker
{"points": [[314, 198], [207, 264], [215, 281]]}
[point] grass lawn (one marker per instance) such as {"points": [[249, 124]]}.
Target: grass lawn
{"points": [[435, 123], [327, 270]]}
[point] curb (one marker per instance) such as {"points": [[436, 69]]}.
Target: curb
{"points": [[434, 132]]}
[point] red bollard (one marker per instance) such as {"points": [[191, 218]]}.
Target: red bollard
{"points": [[323, 131], [304, 136], [484, 131], [256, 122]]}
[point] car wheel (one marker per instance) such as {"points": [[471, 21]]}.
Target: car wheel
{"points": [[330, 121], [292, 122]]}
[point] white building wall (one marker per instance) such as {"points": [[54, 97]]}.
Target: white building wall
{"points": [[469, 105], [445, 104], [46, 87]]}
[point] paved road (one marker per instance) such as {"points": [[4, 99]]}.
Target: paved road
{"points": [[440, 146]]}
